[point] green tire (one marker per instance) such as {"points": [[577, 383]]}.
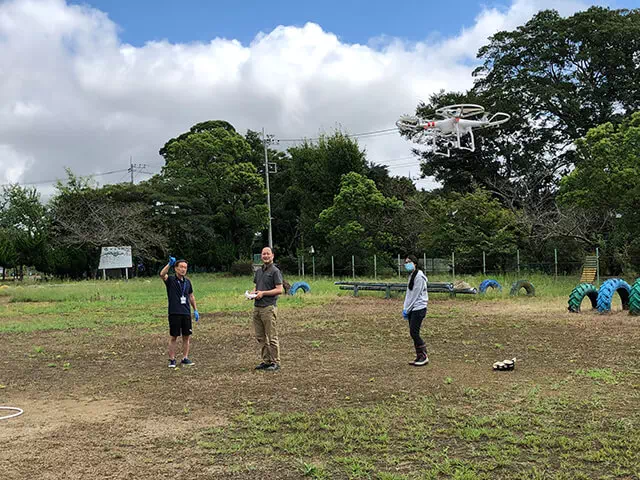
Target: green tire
{"points": [[577, 296]]}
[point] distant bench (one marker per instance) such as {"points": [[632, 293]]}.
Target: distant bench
{"points": [[432, 287]]}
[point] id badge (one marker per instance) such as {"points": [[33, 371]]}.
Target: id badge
{"points": [[183, 300]]}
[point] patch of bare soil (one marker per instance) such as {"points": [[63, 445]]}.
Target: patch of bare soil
{"points": [[103, 404]]}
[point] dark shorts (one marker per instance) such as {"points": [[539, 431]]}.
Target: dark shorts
{"points": [[180, 325]]}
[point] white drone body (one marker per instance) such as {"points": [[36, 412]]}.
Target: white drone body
{"points": [[456, 122]]}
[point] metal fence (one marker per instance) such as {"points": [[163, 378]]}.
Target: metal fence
{"points": [[389, 267]]}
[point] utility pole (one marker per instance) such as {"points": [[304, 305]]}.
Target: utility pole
{"points": [[266, 175], [133, 166]]}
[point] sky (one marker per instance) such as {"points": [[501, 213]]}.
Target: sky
{"points": [[95, 85]]}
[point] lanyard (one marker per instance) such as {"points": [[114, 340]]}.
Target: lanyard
{"points": [[183, 285]]}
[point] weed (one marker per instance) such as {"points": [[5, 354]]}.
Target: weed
{"points": [[600, 374]]}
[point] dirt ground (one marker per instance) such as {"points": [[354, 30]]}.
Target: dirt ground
{"points": [[103, 404]]}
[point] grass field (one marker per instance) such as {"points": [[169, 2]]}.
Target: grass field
{"points": [[87, 363]]}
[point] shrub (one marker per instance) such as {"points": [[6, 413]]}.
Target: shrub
{"points": [[242, 267]]}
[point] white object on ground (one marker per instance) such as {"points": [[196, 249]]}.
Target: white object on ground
{"points": [[18, 410], [505, 365]]}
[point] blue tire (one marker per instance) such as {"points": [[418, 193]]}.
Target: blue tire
{"points": [[304, 286], [490, 283], [608, 290]]}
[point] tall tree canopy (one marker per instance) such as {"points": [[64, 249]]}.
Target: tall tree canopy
{"points": [[557, 77], [24, 219], [211, 196], [606, 184], [470, 224], [359, 221], [316, 172]]}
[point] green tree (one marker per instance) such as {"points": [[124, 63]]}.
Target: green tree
{"points": [[316, 172], [400, 187], [85, 218], [359, 221], [557, 77], [606, 184], [8, 255], [24, 218], [470, 224], [211, 199]]}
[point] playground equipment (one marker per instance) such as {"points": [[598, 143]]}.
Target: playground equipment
{"points": [[577, 296], [520, 284], [457, 122], [304, 286], [601, 299], [432, 287], [490, 283], [634, 298], [589, 269], [607, 291]]}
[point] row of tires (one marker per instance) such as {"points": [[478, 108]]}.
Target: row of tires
{"points": [[601, 299], [515, 288]]}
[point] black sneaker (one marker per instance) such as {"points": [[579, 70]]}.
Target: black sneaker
{"points": [[273, 367], [186, 361], [262, 366], [172, 363], [421, 361]]}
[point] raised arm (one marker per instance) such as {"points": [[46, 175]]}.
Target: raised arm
{"points": [[164, 273]]}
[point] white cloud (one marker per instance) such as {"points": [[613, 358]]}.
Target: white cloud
{"points": [[72, 94]]}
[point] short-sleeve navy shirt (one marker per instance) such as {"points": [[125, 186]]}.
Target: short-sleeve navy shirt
{"points": [[176, 289]]}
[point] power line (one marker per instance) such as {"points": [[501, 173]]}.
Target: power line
{"points": [[44, 182], [138, 167], [373, 133]]}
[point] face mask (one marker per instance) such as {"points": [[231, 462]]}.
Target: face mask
{"points": [[409, 267]]}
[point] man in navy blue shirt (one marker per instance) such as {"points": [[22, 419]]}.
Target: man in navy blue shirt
{"points": [[180, 296]]}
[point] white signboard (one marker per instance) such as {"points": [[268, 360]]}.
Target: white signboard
{"points": [[115, 257]]}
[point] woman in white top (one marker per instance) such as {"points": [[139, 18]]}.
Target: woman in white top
{"points": [[415, 308]]}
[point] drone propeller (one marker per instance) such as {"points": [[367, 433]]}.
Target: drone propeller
{"points": [[408, 123], [463, 110], [497, 118]]}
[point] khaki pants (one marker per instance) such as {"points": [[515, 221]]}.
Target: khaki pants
{"points": [[264, 322]]}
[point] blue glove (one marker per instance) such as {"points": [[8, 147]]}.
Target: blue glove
{"points": [[196, 315], [405, 314], [172, 261]]}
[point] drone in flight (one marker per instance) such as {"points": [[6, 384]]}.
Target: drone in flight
{"points": [[457, 122]]}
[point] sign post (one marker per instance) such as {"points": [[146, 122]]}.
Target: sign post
{"points": [[115, 258]]}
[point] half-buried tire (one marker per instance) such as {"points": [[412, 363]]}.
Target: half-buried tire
{"points": [[608, 290], [634, 298], [304, 286], [520, 284], [489, 283], [577, 296]]}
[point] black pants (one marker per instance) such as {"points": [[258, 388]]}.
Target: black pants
{"points": [[415, 322]]}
